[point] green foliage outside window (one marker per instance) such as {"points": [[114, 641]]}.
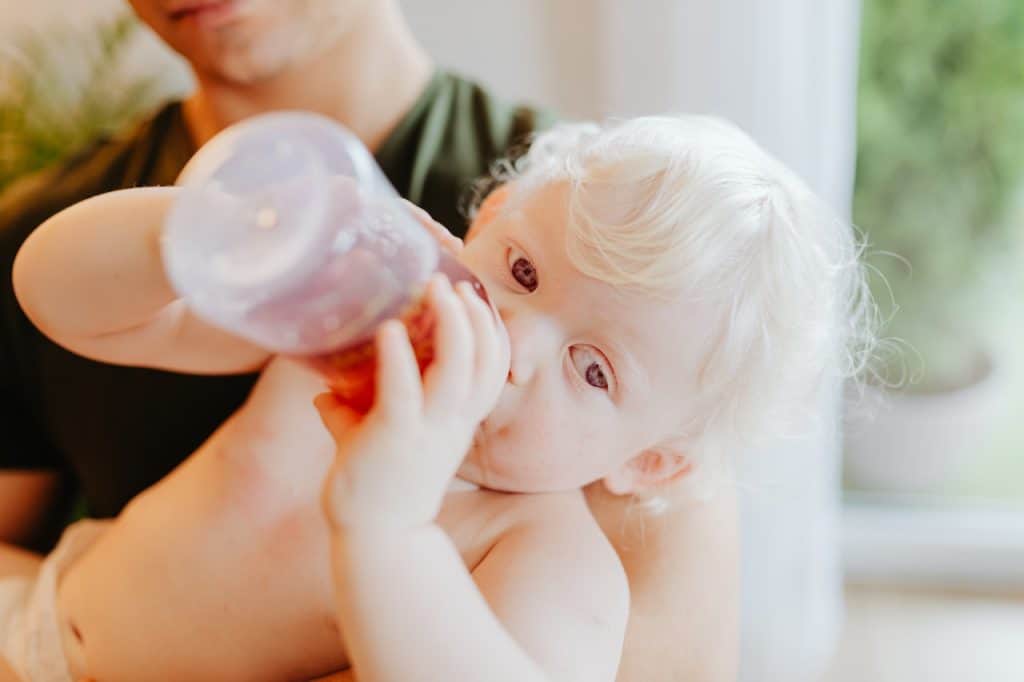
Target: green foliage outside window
{"points": [[941, 162]]}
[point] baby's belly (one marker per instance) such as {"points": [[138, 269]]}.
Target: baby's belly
{"points": [[198, 595]]}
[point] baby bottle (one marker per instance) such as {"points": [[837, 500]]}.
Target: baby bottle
{"points": [[287, 233]]}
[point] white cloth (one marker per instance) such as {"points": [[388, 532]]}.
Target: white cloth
{"points": [[30, 636]]}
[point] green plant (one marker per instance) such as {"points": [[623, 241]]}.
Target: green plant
{"points": [[940, 162], [63, 88]]}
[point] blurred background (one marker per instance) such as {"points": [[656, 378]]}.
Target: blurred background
{"points": [[903, 554]]}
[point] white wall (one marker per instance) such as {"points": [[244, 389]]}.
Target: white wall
{"points": [[784, 70], [535, 50]]}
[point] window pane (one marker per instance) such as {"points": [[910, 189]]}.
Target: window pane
{"points": [[940, 174]]}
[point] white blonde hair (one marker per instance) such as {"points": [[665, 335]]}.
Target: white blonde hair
{"points": [[691, 205]]}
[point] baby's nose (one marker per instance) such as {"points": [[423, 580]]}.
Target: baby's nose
{"points": [[533, 341]]}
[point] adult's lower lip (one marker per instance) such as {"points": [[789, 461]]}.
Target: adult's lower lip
{"points": [[207, 13]]}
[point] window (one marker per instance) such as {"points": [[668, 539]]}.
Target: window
{"points": [[940, 194]]}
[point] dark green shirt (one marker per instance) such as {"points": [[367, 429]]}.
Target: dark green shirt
{"points": [[117, 430]]}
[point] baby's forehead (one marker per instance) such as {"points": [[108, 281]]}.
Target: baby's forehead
{"points": [[658, 321]]}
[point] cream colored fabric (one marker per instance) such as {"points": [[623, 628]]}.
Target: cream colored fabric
{"points": [[30, 638]]}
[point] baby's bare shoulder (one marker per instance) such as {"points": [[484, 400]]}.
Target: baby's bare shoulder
{"points": [[562, 522], [556, 583], [567, 508]]}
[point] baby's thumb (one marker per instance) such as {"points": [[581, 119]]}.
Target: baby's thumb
{"points": [[335, 415]]}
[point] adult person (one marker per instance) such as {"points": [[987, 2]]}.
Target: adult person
{"points": [[75, 427]]}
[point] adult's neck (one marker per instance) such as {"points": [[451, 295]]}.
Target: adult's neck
{"points": [[367, 81]]}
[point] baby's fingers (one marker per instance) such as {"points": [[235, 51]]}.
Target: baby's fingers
{"points": [[399, 391], [337, 417], [492, 354], [448, 378]]}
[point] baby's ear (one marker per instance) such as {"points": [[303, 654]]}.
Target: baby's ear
{"points": [[650, 469]]}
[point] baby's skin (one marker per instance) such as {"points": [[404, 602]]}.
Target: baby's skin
{"points": [[221, 571]]}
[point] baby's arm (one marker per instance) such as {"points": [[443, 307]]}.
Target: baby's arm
{"points": [[91, 278], [547, 603]]}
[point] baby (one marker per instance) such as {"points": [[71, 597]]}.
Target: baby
{"points": [[666, 292]]}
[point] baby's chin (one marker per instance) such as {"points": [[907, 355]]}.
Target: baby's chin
{"points": [[472, 471], [493, 474]]}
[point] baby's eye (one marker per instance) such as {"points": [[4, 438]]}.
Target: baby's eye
{"points": [[591, 365], [522, 269]]}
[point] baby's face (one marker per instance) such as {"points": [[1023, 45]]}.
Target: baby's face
{"points": [[597, 375]]}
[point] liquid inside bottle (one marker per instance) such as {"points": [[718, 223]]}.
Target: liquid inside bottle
{"points": [[350, 370]]}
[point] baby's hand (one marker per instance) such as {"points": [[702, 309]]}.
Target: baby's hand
{"points": [[394, 464]]}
